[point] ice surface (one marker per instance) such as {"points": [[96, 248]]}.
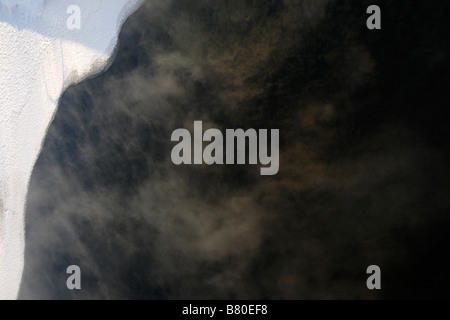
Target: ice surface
{"points": [[40, 57]]}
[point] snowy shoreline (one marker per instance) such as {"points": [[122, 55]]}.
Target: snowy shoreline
{"points": [[39, 58]]}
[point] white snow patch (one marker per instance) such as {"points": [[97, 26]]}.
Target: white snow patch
{"points": [[39, 58]]}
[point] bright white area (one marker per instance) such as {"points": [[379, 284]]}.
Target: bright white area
{"points": [[39, 58]]}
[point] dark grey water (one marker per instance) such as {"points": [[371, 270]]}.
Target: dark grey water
{"points": [[363, 163]]}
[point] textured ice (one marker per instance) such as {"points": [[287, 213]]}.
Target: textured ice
{"points": [[39, 58]]}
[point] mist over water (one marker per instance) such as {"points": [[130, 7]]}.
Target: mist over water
{"points": [[363, 158]]}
